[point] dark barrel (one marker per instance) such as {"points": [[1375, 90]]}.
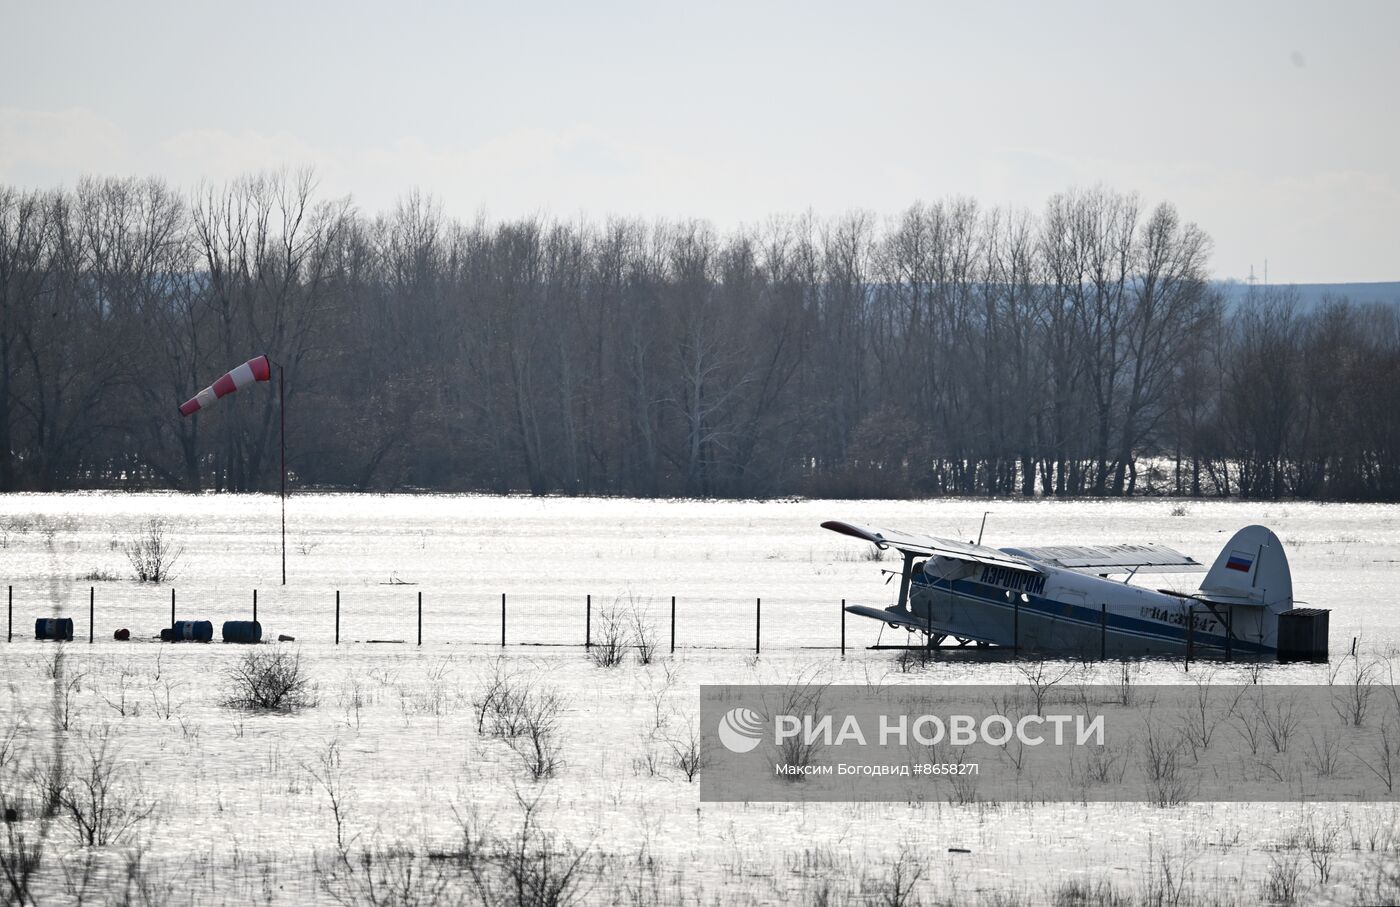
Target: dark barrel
{"points": [[193, 630], [242, 631], [53, 628]]}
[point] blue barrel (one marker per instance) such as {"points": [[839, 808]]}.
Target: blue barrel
{"points": [[53, 628], [242, 631], [192, 630]]}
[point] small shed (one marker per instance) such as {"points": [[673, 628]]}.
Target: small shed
{"points": [[1302, 635]]}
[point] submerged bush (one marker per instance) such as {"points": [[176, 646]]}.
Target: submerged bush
{"points": [[99, 809], [621, 627], [152, 555], [536, 742], [270, 679], [610, 648]]}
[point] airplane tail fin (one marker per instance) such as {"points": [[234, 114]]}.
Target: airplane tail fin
{"points": [[1251, 569]]}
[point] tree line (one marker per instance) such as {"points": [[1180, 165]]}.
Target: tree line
{"points": [[950, 350]]}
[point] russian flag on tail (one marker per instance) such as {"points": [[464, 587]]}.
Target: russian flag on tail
{"points": [[253, 370], [1239, 561]]}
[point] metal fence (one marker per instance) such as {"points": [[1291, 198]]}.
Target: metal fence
{"points": [[418, 617]]}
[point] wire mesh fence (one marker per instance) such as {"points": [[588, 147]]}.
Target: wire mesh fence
{"points": [[406, 614]]}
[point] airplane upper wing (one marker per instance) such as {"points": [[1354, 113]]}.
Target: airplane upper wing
{"points": [[1115, 558], [928, 545]]}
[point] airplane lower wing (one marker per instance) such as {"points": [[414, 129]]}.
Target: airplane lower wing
{"points": [[928, 545], [909, 621], [896, 617]]}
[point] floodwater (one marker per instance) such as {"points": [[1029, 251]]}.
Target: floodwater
{"points": [[240, 814]]}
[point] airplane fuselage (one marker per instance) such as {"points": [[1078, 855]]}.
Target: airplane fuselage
{"points": [[1066, 611], [1060, 599]]}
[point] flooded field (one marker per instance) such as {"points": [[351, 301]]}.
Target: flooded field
{"points": [[392, 787], [546, 555]]}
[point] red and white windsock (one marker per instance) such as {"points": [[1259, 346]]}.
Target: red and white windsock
{"points": [[250, 371]]}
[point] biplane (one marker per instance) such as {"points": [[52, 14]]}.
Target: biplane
{"points": [[1080, 601]]}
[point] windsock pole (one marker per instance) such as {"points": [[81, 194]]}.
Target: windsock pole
{"points": [[258, 369], [282, 432]]}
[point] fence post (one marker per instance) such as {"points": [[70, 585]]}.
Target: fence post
{"points": [[843, 626], [757, 625], [1229, 633], [673, 625], [1103, 630], [172, 610], [588, 622], [92, 610], [1015, 626], [10, 616], [420, 617], [255, 606], [503, 620], [337, 617], [1190, 635]]}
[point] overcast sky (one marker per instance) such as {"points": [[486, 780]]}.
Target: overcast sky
{"points": [[1274, 126]]}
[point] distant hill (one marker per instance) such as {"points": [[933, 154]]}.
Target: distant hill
{"points": [[1312, 295]]}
